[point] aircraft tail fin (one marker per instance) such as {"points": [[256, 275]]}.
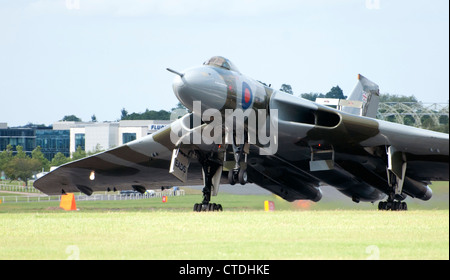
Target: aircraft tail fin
{"points": [[366, 92]]}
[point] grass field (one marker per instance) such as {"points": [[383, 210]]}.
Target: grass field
{"points": [[149, 229]]}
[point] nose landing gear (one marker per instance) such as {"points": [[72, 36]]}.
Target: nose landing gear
{"points": [[239, 173]]}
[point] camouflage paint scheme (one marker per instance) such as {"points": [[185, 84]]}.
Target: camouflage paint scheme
{"points": [[363, 147]]}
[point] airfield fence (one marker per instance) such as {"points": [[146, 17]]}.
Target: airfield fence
{"points": [[18, 187], [82, 197]]}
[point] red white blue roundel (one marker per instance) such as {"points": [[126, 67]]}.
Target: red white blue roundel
{"points": [[247, 96]]}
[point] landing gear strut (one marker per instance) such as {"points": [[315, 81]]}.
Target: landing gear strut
{"points": [[396, 172], [211, 170]]}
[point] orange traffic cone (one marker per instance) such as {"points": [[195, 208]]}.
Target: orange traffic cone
{"points": [[68, 202]]}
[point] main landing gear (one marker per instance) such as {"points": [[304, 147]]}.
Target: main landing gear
{"points": [[396, 172], [395, 196]]}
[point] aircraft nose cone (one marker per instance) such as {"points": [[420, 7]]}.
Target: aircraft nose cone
{"points": [[203, 85]]}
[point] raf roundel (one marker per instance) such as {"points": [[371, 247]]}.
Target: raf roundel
{"points": [[247, 96]]}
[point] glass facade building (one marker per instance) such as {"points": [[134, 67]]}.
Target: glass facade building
{"points": [[80, 141], [128, 137], [53, 142], [24, 137], [50, 141]]}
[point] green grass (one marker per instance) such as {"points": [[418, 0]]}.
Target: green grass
{"points": [[226, 235], [149, 229]]}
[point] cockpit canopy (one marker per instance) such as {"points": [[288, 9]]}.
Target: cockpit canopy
{"points": [[221, 62]]}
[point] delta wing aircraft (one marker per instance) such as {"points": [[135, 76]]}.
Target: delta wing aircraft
{"points": [[242, 131]]}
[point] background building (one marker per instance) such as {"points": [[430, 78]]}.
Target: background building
{"points": [[102, 136], [53, 142], [25, 137]]}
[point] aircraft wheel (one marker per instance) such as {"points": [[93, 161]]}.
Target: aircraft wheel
{"points": [[394, 206], [218, 207], [398, 206], [231, 177], [198, 207], [210, 207], [242, 176], [404, 206]]}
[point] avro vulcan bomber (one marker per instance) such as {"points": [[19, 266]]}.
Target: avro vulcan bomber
{"points": [[241, 131]]}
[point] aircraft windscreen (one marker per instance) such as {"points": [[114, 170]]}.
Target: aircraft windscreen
{"points": [[221, 62]]}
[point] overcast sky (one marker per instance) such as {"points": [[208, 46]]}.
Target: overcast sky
{"points": [[85, 57]]}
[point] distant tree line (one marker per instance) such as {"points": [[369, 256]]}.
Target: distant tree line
{"points": [[147, 115], [124, 115], [335, 92], [150, 114]]}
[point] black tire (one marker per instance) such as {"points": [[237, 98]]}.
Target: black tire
{"points": [[231, 179], [389, 205], [404, 206], [211, 207], [394, 206], [242, 176]]}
